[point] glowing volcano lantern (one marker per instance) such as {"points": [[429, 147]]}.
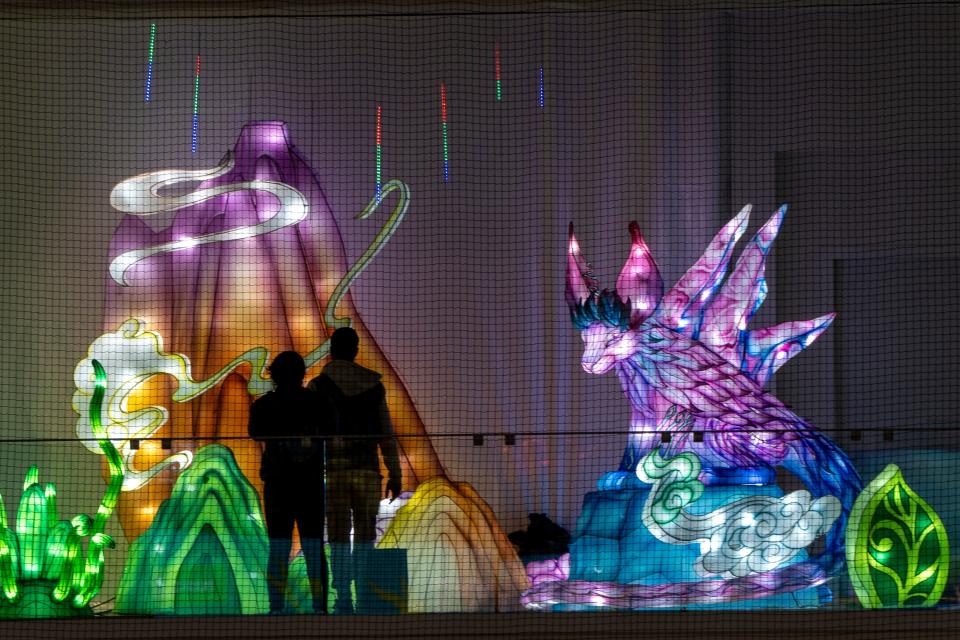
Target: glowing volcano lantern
{"points": [[251, 264]]}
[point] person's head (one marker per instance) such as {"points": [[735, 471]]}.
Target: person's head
{"points": [[288, 369], [344, 344]]}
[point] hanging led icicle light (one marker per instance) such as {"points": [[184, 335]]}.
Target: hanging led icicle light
{"points": [[153, 36], [196, 106], [497, 56], [443, 122], [541, 86], [379, 156]]}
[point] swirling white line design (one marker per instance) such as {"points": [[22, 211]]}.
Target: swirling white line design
{"points": [[743, 538], [141, 196], [133, 354]]}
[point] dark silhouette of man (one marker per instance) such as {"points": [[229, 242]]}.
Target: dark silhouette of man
{"points": [[354, 482], [292, 472]]}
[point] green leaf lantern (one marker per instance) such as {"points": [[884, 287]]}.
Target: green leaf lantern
{"points": [[896, 545]]}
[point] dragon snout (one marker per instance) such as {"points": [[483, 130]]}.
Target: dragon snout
{"points": [[597, 358], [598, 365], [597, 361]]}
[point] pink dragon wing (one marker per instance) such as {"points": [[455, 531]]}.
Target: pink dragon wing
{"points": [[766, 350], [687, 374], [725, 319], [682, 307]]}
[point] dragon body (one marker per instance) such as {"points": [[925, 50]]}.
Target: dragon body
{"points": [[688, 352]]}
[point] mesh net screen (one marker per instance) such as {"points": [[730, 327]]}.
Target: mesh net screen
{"points": [[551, 410]]}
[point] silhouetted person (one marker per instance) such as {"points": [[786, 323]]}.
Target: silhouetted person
{"points": [[293, 474], [354, 483]]}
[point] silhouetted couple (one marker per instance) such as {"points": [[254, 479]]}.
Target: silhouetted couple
{"points": [[333, 429]]}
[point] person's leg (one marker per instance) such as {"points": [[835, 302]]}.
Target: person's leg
{"points": [[278, 513], [367, 493], [338, 530], [367, 486], [310, 521]]}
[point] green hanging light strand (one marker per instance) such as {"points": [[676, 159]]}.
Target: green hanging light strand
{"points": [[379, 157], [196, 106], [153, 35], [443, 124]]}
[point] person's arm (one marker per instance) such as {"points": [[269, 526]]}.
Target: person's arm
{"points": [[256, 426], [326, 411], [391, 457]]}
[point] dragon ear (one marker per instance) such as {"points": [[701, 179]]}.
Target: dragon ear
{"points": [[639, 280], [580, 281]]}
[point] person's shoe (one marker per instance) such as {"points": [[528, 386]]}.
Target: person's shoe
{"points": [[343, 607], [341, 566], [365, 578]]}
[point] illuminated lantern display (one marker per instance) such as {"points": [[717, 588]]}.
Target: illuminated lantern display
{"points": [[458, 556], [744, 537], [694, 374], [251, 264], [206, 550], [44, 571], [730, 543], [898, 554]]}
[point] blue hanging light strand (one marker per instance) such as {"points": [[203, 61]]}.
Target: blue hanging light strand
{"points": [[541, 86], [196, 107], [379, 158], [153, 35]]}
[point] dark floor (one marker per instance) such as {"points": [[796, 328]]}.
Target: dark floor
{"points": [[778, 625]]}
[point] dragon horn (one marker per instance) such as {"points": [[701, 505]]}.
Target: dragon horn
{"points": [[580, 281], [639, 280]]}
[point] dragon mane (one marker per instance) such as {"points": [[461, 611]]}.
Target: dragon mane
{"points": [[602, 307]]}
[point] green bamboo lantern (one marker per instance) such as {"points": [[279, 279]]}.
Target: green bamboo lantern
{"points": [[44, 571]]}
